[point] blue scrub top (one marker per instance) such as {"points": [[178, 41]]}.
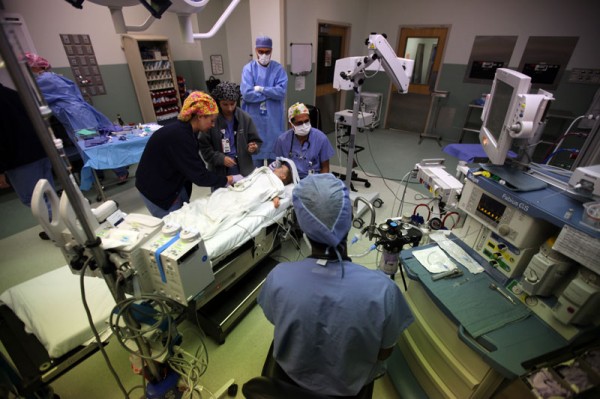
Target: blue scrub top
{"points": [[308, 156], [68, 105], [328, 328]]}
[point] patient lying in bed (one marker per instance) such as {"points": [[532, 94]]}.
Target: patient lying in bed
{"points": [[226, 206]]}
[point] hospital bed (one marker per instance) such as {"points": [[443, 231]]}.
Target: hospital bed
{"points": [[44, 328], [240, 261], [34, 314]]}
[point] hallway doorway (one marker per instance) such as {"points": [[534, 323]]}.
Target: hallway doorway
{"points": [[425, 45], [332, 45]]}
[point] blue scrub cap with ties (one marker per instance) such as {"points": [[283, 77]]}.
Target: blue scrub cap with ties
{"points": [[323, 208], [264, 42]]}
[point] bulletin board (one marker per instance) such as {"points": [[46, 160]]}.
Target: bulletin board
{"points": [[301, 58]]}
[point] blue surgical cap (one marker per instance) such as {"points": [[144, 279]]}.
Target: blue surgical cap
{"points": [[264, 42], [323, 208]]}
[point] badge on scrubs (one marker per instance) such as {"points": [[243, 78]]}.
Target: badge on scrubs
{"points": [[226, 146]]}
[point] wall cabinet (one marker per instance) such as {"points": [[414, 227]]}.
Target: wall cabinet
{"points": [[153, 74]]}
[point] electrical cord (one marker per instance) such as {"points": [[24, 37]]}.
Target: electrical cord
{"points": [[562, 138], [95, 331], [164, 310]]}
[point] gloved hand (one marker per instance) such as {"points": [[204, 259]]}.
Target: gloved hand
{"points": [[258, 88], [236, 178]]}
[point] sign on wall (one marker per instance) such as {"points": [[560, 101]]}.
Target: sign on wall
{"points": [[545, 59], [488, 54]]}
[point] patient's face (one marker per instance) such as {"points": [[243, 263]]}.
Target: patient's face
{"points": [[283, 172]]}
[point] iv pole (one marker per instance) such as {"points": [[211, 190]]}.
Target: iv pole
{"points": [[38, 112]]}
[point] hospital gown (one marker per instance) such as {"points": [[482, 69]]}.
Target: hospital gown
{"points": [[266, 107], [226, 206]]}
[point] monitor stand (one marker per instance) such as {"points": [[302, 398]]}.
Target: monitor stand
{"points": [[515, 179]]}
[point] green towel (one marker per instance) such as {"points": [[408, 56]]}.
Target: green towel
{"points": [[86, 132], [478, 308], [471, 303]]}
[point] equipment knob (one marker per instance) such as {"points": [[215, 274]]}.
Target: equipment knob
{"points": [[171, 229], [503, 230], [189, 234]]}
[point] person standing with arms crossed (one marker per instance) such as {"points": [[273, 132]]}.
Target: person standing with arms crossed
{"points": [[264, 86]]}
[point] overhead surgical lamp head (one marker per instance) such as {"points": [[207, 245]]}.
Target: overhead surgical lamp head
{"points": [[156, 7], [183, 8]]}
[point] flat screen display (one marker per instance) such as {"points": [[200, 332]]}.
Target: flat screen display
{"points": [[498, 108]]}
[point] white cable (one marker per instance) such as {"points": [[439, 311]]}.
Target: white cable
{"points": [[564, 136]]}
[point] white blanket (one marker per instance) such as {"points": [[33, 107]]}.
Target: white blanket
{"points": [[50, 306], [229, 206]]}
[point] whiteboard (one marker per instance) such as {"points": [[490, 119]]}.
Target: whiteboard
{"points": [[301, 58]]}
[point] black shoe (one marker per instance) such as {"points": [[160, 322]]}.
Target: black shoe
{"points": [[44, 236], [122, 179]]}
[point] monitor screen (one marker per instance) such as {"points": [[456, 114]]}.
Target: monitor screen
{"points": [[498, 108], [499, 111]]}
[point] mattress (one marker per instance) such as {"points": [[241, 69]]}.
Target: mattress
{"points": [[50, 307]]}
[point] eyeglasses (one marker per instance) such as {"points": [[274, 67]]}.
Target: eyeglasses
{"points": [[263, 52], [300, 123]]}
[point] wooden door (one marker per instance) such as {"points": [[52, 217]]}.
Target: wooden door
{"points": [[424, 45]]}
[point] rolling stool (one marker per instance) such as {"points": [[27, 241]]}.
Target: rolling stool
{"points": [[275, 384]]}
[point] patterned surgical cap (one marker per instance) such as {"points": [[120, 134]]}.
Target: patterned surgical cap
{"points": [[36, 61], [323, 208], [197, 103], [297, 109], [227, 91]]}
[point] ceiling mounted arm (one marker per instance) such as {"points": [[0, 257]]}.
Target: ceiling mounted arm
{"points": [[119, 21]]}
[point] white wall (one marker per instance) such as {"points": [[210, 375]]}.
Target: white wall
{"points": [[240, 45], [216, 45], [267, 19], [303, 18], [470, 18], [47, 19]]}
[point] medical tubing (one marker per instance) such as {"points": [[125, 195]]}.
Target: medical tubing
{"points": [[157, 254], [401, 205], [446, 217], [549, 158], [371, 248], [426, 206], [88, 313]]}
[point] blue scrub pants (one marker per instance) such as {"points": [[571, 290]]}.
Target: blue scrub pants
{"points": [[24, 178], [159, 212]]}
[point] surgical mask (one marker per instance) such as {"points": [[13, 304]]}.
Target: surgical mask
{"points": [[264, 59], [303, 129]]}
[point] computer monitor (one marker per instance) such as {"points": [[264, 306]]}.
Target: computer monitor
{"points": [[500, 111]]}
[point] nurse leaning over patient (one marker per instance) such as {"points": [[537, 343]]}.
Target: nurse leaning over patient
{"points": [[171, 161]]}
